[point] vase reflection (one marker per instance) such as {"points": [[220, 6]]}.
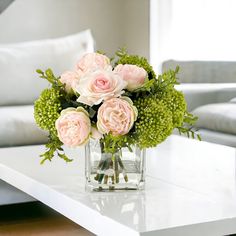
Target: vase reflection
{"points": [[129, 207]]}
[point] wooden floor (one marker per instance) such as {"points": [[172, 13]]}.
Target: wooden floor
{"points": [[36, 219]]}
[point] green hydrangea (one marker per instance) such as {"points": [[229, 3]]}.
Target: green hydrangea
{"points": [[138, 61], [175, 102], [154, 123], [47, 109]]}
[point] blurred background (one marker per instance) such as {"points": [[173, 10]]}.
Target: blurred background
{"points": [[157, 29], [192, 30], [113, 23]]}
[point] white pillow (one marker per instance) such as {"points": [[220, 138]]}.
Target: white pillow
{"points": [[18, 127], [218, 117], [19, 83]]}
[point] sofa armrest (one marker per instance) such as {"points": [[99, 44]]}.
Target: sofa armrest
{"points": [[200, 94]]}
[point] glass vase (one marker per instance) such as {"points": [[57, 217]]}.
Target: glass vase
{"points": [[123, 170]]}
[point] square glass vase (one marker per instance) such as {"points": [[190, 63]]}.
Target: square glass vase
{"points": [[123, 170]]}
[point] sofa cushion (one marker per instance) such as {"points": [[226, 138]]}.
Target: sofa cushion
{"points": [[218, 117], [17, 127], [200, 94], [19, 83], [203, 71], [218, 137], [233, 100]]}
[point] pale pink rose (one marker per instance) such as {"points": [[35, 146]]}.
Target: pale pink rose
{"points": [[116, 116], [73, 127], [97, 86], [134, 75], [92, 61], [69, 78], [95, 134]]}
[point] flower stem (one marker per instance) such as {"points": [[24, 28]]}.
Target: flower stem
{"points": [[116, 170], [123, 169], [110, 161]]}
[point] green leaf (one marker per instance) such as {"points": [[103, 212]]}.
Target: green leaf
{"points": [[177, 70], [187, 134], [64, 157], [92, 112], [199, 137], [121, 52], [39, 71], [145, 87], [100, 52], [49, 73], [54, 146]]}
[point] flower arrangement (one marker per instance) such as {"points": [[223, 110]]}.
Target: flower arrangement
{"points": [[119, 101]]}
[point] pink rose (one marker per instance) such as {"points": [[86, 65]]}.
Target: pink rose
{"points": [[95, 134], [92, 61], [116, 115], [73, 126], [69, 78], [134, 75], [97, 86]]}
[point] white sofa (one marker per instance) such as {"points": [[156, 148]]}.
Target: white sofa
{"points": [[208, 87], [20, 87]]}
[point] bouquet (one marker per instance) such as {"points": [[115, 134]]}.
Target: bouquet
{"points": [[119, 101]]}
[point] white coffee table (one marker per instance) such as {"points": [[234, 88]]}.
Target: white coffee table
{"points": [[190, 190]]}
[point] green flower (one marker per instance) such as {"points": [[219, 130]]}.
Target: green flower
{"points": [[154, 123], [175, 102], [47, 109]]}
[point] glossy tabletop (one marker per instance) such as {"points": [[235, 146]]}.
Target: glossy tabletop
{"points": [[190, 190]]}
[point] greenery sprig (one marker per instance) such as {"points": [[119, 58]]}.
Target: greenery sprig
{"points": [[187, 127], [47, 109], [53, 146], [112, 144]]}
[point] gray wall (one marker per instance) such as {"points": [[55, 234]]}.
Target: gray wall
{"points": [[113, 23], [136, 26]]}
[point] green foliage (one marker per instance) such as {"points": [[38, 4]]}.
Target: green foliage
{"points": [[100, 52], [154, 122], [187, 128], [146, 87], [166, 81], [54, 146], [51, 78], [111, 144], [47, 109]]}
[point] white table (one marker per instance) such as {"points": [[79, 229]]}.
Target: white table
{"points": [[190, 190]]}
